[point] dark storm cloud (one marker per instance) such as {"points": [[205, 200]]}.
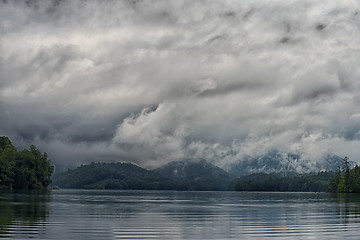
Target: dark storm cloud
{"points": [[154, 81]]}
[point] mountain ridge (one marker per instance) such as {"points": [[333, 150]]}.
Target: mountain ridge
{"points": [[199, 174], [188, 174], [114, 176]]}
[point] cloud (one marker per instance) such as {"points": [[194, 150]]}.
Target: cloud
{"points": [[156, 135], [153, 81]]}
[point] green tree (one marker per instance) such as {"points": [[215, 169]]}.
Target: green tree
{"points": [[27, 169], [335, 181], [346, 171], [355, 179], [7, 157], [7, 160], [42, 166], [5, 143], [25, 175], [347, 180]]}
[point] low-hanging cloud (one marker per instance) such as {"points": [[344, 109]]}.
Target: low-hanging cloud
{"points": [[155, 81]]}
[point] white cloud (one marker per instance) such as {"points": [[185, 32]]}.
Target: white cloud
{"points": [[153, 135], [228, 78]]}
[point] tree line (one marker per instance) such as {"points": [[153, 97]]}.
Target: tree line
{"points": [[26, 169], [346, 180], [317, 182]]}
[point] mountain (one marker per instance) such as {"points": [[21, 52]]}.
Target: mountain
{"points": [[180, 175], [114, 176], [199, 174], [189, 174], [279, 162]]}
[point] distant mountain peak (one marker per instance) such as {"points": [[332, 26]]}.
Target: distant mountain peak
{"points": [[276, 161]]}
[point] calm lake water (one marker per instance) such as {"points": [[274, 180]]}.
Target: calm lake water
{"points": [[96, 214]]}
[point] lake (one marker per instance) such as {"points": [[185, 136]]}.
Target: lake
{"points": [[104, 214]]}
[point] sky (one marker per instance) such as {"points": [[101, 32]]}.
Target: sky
{"points": [[151, 82]]}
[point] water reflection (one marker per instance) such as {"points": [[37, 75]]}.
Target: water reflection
{"points": [[348, 207], [89, 214], [22, 212]]}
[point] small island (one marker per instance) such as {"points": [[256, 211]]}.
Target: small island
{"points": [[26, 169]]}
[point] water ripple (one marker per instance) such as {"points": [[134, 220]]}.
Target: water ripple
{"points": [[85, 214]]}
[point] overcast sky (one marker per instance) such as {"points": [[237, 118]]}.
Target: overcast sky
{"points": [[155, 81]]}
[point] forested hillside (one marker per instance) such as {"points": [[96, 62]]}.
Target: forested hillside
{"points": [[114, 176], [181, 175], [198, 174]]}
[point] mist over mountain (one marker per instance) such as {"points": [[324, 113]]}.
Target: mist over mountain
{"points": [[278, 162]]}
